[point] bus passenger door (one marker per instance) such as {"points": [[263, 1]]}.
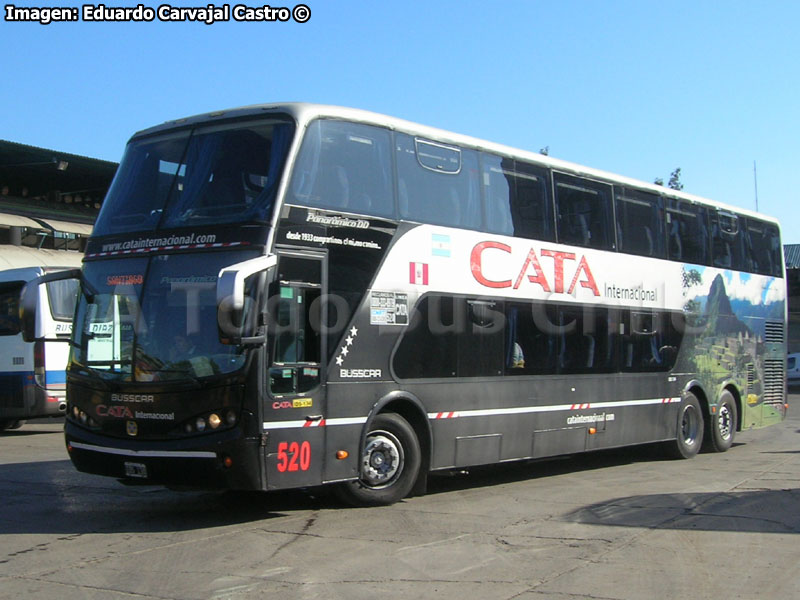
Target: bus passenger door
{"points": [[295, 400]]}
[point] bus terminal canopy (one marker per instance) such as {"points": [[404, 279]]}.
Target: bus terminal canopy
{"points": [[14, 257]]}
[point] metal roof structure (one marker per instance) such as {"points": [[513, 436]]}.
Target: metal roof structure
{"points": [[51, 184], [791, 255]]}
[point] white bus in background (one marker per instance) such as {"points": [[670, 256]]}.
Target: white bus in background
{"points": [[32, 374]]}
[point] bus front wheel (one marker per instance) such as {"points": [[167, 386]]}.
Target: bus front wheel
{"points": [[689, 434], [389, 464]]}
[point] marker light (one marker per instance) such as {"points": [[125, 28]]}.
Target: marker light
{"points": [[227, 462], [342, 454], [592, 430]]}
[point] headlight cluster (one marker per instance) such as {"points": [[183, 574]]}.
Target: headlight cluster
{"points": [[82, 417], [210, 422]]}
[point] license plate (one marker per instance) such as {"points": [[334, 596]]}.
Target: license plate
{"points": [[136, 470]]}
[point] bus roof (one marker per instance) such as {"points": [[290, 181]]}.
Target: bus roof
{"points": [[19, 257], [304, 113]]}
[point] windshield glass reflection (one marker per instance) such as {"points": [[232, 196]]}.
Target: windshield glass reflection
{"points": [[206, 176], [156, 328]]}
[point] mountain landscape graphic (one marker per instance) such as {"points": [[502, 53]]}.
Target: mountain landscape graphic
{"points": [[719, 313]]}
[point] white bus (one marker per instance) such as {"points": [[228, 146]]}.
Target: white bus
{"points": [[32, 374]]}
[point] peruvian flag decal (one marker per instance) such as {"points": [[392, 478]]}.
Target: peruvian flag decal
{"points": [[418, 273]]}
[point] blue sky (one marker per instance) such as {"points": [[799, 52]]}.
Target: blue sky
{"points": [[633, 87]]}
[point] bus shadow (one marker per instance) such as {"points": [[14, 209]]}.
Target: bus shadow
{"points": [[491, 475], [759, 511], [15, 433], [52, 497]]}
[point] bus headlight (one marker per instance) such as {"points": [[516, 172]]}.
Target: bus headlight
{"points": [[230, 418], [214, 421], [200, 424]]}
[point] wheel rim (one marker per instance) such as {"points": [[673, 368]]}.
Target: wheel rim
{"points": [[725, 422], [382, 461], [690, 426]]}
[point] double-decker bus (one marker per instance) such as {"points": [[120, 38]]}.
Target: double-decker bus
{"points": [[32, 374], [290, 295]]}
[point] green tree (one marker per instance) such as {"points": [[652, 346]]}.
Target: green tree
{"points": [[674, 180]]}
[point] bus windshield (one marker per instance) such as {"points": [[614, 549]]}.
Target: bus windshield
{"points": [[203, 176], [129, 327]]}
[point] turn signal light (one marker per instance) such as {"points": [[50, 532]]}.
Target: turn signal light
{"points": [[342, 454], [592, 430]]}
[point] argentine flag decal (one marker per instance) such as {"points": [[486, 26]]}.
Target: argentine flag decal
{"points": [[441, 245]]}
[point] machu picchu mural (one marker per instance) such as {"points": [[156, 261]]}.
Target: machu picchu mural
{"points": [[735, 335]]}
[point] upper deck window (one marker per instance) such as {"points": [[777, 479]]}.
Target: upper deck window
{"points": [[584, 212], [687, 232], [640, 222], [206, 176], [762, 248], [437, 184], [346, 167], [517, 198]]}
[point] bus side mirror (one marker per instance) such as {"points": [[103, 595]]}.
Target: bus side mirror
{"points": [[231, 300], [31, 302]]}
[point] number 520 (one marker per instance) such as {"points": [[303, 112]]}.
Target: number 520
{"points": [[293, 456]]}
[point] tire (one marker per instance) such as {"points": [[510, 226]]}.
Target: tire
{"points": [[6, 424], [721, 427], [689, 429], [389, 464]]}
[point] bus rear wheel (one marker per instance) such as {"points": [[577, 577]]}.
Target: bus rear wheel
{"points": [[721, 427], [6, 424], [689, 434], [389, 464]]}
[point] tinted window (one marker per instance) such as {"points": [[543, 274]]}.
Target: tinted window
{"points": [[584, 212], [517, 199], [428, 346], [762, 248], [451, 337], [687, 232], [344, 166], [640, 223], [587, 340], [546, 339], [726, 241], [441, 196], [531, 339], [9, 308], [221, 174], [650, 340]]}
